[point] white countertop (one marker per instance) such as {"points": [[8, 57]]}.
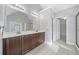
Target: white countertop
{"points": [[7, 34]]}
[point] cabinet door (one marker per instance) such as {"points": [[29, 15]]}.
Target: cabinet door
{"points": [[38, 39], [12, 46], [8, 46], [26, 43], [41, 38], [35, 40], [17, 45]]}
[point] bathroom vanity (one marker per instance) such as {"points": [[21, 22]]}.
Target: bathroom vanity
{"points": [[21, 33], [20, 44]]}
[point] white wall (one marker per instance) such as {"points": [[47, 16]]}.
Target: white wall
{"points": [[46, 24], [70, 14], [36, 23]]}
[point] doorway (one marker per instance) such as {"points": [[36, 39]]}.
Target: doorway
{"points": [[62, 29]]}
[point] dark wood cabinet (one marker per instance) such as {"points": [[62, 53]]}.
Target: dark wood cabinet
{"points": [[34, 42], [26, 43], [22, 44], [12, 46]]}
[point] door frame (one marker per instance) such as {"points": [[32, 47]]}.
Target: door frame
{"points": [[65, 28], [52, 29], [76, 30]]}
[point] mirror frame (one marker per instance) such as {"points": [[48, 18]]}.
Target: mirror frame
{"points": [[76, 29]]}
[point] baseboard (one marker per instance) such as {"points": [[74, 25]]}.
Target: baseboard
{"points": [[70, 43], [49, 43], [77, 47]]}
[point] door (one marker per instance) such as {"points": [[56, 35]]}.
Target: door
{"points": [[77, 41]]}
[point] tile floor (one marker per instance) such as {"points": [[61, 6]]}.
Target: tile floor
{"points": [[57, 48]]}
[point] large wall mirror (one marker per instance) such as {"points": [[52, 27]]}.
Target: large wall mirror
{"points": [[17, 21]]}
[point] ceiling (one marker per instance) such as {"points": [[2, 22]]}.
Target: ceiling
{"points": [[55, 7], [32, 7], [58, 7], [38, 7]]}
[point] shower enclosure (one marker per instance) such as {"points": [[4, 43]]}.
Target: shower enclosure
{"points": [[62, 29]]}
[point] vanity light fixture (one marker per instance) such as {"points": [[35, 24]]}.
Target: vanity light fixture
{"points": [[33, 13], [18, 6], [64, 18]]}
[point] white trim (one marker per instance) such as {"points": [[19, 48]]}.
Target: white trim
{"points": [[77, 47]]}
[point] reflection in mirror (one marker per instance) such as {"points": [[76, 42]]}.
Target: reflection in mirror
{"points": [[17, 21]]}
